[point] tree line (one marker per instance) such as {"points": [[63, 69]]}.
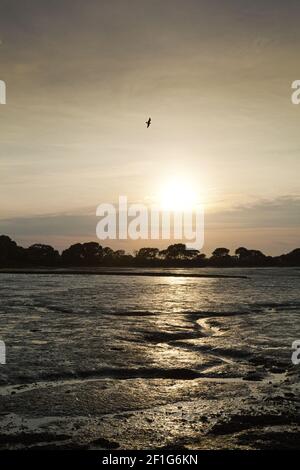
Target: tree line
{"points": [[176, 255]]}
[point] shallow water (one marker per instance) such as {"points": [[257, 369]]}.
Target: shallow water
{"points": [[62, 324], [120, 333]]}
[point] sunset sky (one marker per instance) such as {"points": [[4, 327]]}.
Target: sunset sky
{"points": [[215, 76]]}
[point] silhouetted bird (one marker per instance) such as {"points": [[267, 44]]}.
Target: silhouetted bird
{"points": [[148, 122]]}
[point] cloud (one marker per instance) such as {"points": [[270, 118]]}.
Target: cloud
{"points": [[280, 212], [62, 229]]}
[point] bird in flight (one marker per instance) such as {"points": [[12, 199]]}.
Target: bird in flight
{"points": [[148, 122]]}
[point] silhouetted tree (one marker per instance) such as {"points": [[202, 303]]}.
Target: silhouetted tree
{"points": [[86, 254], [220, 257], [201, 260], [191, 254], [10, 253], [176, 251], [179, 255], [108, 255], [119, 253], [252, 257], [73, 255], [242, 252], [92, 254], [147, 253], [108, 252], [290, 259], [42, 255], [220, 252]]}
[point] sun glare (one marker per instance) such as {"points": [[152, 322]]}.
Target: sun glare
{"points": [[178, 195]]}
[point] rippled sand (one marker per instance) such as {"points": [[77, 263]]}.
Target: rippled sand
{"points": [[150, 362]]}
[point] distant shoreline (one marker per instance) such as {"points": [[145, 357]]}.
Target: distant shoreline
{"points": [[91, 255]]}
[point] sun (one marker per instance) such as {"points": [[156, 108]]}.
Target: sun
{"points": [[178, 195]]}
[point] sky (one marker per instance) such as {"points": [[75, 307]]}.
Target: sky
{"points": [[82, 78]]}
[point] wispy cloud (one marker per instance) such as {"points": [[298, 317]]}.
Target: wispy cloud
{"points": [[280, 215], [282, 212]]}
